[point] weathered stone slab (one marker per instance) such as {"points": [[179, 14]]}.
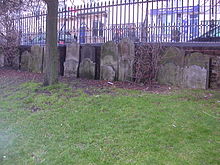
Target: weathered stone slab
{"points": [[72, 51], [87, 69], [25, 60], [126, 59], [36, 59], [87, 64], [107, 73], [195, 77], [170, 74], [188, 71], [173, 55], [88, 51], [196, 71], [71, 67], [171, 67], [2, 59], [109, 61], [198, 59], [15, 62], [72, 60]]}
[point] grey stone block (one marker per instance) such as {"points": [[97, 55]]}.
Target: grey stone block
{"points": [[126, 49], [35, 63], [25, 60], [87, 69], [72, 60], [109, 61]]}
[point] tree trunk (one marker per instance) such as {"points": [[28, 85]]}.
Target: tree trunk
{"points": [[51, 71]]}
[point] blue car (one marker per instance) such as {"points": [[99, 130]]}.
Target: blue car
{"points": [[212, 35], [63, 38]]}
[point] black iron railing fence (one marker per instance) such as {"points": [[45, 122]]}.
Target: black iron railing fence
{"points": [[140, 20]]}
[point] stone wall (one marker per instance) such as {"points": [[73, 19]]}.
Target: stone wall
{"points": [[32, 58], [214, 66], [184, 70], [180, 66]]}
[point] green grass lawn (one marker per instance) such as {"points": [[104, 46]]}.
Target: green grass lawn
{"points": [[56, 125]]}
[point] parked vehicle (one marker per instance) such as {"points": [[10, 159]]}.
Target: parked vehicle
{"points": [[25, 39], [212, 35], [40, 39], [119, 35]]}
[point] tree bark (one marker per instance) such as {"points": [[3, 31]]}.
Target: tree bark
{"points": [[51, 55]]}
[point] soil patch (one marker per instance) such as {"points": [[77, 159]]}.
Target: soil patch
{"points": [[11, 78]]}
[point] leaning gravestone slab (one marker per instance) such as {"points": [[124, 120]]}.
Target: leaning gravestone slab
{"points": [[196, 71], [170, 74], [126, 59], [24, 60], [87, 69], [72, 60], [88, 51], [15, 61], [72, 51], [109, 61], [171, 66], [188, 71], [2, 58], [35, 63], [87, 64], [70, 68], [107, 73]]}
